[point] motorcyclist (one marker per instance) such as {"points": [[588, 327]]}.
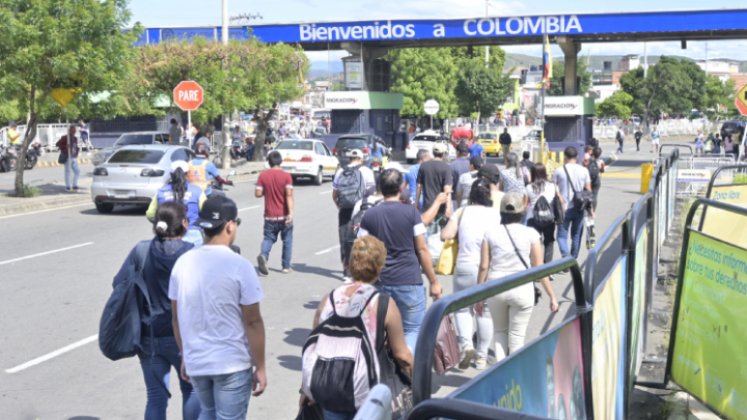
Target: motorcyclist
{"points": [[204, 173]]}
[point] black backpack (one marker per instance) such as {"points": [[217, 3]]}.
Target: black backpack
{"points": [[594, 171], [354, 225], [350, 187], [120, 325], [544, 215]]}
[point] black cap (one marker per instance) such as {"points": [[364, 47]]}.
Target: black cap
{"points": [[490, 172], [216, 211]]}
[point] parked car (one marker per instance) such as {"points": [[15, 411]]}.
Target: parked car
{"points": [[128, 139], [364, 142], [133, 174], [533, 135], [425, 141], [307, 158], [489, 142]]}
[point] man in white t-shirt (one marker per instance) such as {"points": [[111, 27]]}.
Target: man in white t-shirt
{"points": [[574, 218], [215, 297]]}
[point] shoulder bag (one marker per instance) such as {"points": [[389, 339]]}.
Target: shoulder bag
{"points": [[448, 256], [537, 292], [581, 199]]}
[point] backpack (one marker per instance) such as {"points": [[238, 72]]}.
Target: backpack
{"points": [[544, 215], [593, 168], [339, 362], [619, 136], [350, 187], [120, 325], [354, 225]]}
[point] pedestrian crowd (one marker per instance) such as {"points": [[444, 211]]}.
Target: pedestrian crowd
{"points": [[201, 308]]}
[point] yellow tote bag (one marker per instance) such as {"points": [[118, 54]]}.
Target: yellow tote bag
{"points": [[448, 257]]}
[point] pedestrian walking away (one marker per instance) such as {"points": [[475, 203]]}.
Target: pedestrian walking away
{"points": [[214, 286], [357, 303], [620, 138], [401, 229], [435, 176], [526, 162], [351, 184], [69, 150], [469, 225], [508, 249], [638, 135], [411, 177], [464, 186], [180, 190], [460, 166], [570, 179], [276, 186], [158, 347], [175, 132], [515, 177], [655, 140], [505, 141], [540, 195]]}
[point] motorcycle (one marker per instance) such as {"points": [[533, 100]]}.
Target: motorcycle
{"points": [[8, 158], [32, 155]]}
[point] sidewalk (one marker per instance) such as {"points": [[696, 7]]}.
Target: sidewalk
{"points": [[53, 194]]}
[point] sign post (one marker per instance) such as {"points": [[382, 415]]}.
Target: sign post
{"points": [[188, 96], [741, 100], [431, 108]]}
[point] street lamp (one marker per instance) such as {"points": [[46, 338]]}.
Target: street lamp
{"points": [[487, 47]]}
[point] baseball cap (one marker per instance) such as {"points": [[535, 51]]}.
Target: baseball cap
{"points": [[216, 211], [512, 203], [355, 153], [490, 172], [439, 147], [180, 164]]}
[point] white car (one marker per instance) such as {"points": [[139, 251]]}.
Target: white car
{"points": [[425, 141], [307, 158]]}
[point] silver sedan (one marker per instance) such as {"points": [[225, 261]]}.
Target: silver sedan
{"points": [[133, 175]]}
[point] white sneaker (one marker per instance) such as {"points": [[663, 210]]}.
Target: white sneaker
{"points": [[466, 358], [481, 363]]}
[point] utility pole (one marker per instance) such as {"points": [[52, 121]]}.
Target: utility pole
{"points": [[487, 47], [226, 158]]}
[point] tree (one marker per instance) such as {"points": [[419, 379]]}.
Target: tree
{"points": [[50, 44], [617, 105], [634, 84], [255, 77], [480, 89], [425, 73], [719, 96], [557, 80]]}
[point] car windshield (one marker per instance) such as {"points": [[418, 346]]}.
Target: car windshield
{"points": [[137, 156], [487, 136], [295, 145], [128, 139], [425, 137], [351, 143]]}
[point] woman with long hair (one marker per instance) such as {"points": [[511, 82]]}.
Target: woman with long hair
{"points": [[158, 348], [470, 224], [182, 191], [541, 186], [515, 177]]}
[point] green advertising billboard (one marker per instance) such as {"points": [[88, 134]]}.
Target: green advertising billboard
{"points": [[709, 358]]}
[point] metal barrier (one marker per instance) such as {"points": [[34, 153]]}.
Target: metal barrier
{"points": [[463, 410], [377, 406]]}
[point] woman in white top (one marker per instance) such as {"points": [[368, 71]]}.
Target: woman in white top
{"points": [[467, 179], [470, 224], [542, 187], [515, 177], [508, 249]]}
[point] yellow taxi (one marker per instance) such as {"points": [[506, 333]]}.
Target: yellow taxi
{"points": [[489, 142]]}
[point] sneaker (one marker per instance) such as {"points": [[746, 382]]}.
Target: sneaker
{"points": [[466, 358], [75, 188], [287, 270], [262, 265], [481, 363]]}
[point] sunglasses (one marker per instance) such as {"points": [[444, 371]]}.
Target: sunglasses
{"points": [[238, 221]]}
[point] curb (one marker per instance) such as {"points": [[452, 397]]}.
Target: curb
{"points": [[54, 164]]}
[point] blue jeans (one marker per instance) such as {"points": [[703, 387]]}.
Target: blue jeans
{"points": [[156, 369], [410, 301], [574, 219], [72, 172], [224, 397], [271, 231], [331, 415]]}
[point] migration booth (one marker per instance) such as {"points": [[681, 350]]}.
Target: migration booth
{"points": [[363, 111], [569, 121]]}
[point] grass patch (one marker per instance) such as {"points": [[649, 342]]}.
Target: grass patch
{"points": [[740, 179], [28, 192]]}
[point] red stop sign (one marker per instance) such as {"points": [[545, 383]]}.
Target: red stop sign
{"points": [[188, 95]]}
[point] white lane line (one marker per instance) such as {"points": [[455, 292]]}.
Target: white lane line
{"points": [[41, 254], [250, 208], [44, 211], [327, 251], [325, 192], [53, 354]]}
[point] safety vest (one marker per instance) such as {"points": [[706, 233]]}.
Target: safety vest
{"points": [[198, 175], [191, 200]]}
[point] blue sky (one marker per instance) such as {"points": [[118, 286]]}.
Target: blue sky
{"points": [[154, 13]]}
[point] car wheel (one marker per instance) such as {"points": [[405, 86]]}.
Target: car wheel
{"points": [[319, 179], [104, 208]]}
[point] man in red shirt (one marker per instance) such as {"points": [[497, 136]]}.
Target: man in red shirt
{"points": [[276, 186]]}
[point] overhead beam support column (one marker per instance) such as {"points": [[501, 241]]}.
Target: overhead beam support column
{"points": [[570, 51], [369, 54]]}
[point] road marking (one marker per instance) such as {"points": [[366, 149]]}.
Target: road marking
{"points": [[250, 208], [44, 211], [325, 192], [327, 251], [41, 254], [52, 355]]}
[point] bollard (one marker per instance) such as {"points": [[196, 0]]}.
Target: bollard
{"points": [[647, 170]]}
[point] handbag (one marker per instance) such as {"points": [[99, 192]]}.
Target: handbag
{"points": [[557, 208], [310, 412], [448, 256], [537, 292], [390, 373], [62, 158], [446, 353], [581, 199]]}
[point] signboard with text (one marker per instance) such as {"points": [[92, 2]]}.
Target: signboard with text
{"points": [[740, 100], [188, 95]]}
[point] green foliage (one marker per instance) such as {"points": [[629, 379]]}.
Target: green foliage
{"points": [[617, 105], [557, 79], [244, 75], [480, 89]]}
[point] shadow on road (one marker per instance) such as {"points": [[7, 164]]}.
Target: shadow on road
{"points": [[319, 271], [297, 336], [312, 304], [119, 210], [290, 362]]}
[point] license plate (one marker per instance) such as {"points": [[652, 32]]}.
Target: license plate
{"points": [[288, 168], [123, 193]]}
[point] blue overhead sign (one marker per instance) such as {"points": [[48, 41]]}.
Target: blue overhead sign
{"points": [[713, 21]]}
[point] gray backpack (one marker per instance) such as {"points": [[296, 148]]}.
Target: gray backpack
{"points": [[350, 187]]}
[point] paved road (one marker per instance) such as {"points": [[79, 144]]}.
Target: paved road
{"points": [[57, 269]]}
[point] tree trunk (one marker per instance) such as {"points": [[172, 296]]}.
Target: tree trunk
{"points": [[28, 137], [263, 122]]}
